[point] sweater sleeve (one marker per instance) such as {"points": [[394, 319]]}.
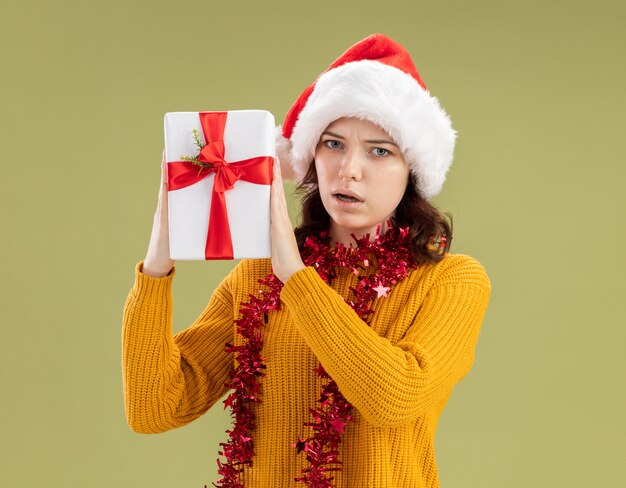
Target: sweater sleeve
{"points": [[392, 384], [169, 381]]}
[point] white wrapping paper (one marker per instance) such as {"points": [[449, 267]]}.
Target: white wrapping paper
{"points": [[247, 134]]}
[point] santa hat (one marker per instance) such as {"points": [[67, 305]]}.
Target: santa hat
{"points": [[375, 80]]}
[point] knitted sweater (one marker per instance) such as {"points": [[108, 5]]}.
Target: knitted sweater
{"points": [[398, 372]]}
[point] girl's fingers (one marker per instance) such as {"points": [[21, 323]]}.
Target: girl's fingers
{"points": [[285, 255], [162, 200], [278, 197], [277, 176], [277, 186], [163, 170]]}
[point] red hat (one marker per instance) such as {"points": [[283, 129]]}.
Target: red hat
{"points": [[375, 80]]}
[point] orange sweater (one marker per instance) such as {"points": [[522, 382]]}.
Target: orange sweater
{"points": [[398, 373]]}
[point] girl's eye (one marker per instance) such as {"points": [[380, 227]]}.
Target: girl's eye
{"points": [[332, 143], [379, 151]]}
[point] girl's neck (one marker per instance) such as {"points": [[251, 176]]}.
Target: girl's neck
{"points": [[344, 235]]}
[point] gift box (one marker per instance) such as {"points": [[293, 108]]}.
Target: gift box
{"points": [[219, 173]]}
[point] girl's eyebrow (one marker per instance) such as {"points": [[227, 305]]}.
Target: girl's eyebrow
{"points": [[329, 133], [382, 141], [371, 141]]}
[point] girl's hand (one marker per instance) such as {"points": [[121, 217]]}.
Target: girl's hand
{"points": [[157, 262], [285, 254]]}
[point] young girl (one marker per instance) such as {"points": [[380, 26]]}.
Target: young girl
{"points": [[341, 359]]}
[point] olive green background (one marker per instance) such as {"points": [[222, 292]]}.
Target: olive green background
{"points": [[535, 90]]}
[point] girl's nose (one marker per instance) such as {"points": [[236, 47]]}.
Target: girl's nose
{"points": [[351, 168]]}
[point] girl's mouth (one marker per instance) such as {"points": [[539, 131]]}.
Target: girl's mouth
{"points": [[346, 199]]}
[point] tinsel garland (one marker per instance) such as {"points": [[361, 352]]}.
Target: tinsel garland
{"points": [[393, 261]]}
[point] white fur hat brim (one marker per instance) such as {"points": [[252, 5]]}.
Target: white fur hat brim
{"points": [[386, 96]]}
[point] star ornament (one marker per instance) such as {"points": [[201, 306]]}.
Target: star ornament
{"points": [[382, 290], [300, 445], [338, 425]]}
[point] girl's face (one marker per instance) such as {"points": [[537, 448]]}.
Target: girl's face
{"points": [[362, 176]]}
